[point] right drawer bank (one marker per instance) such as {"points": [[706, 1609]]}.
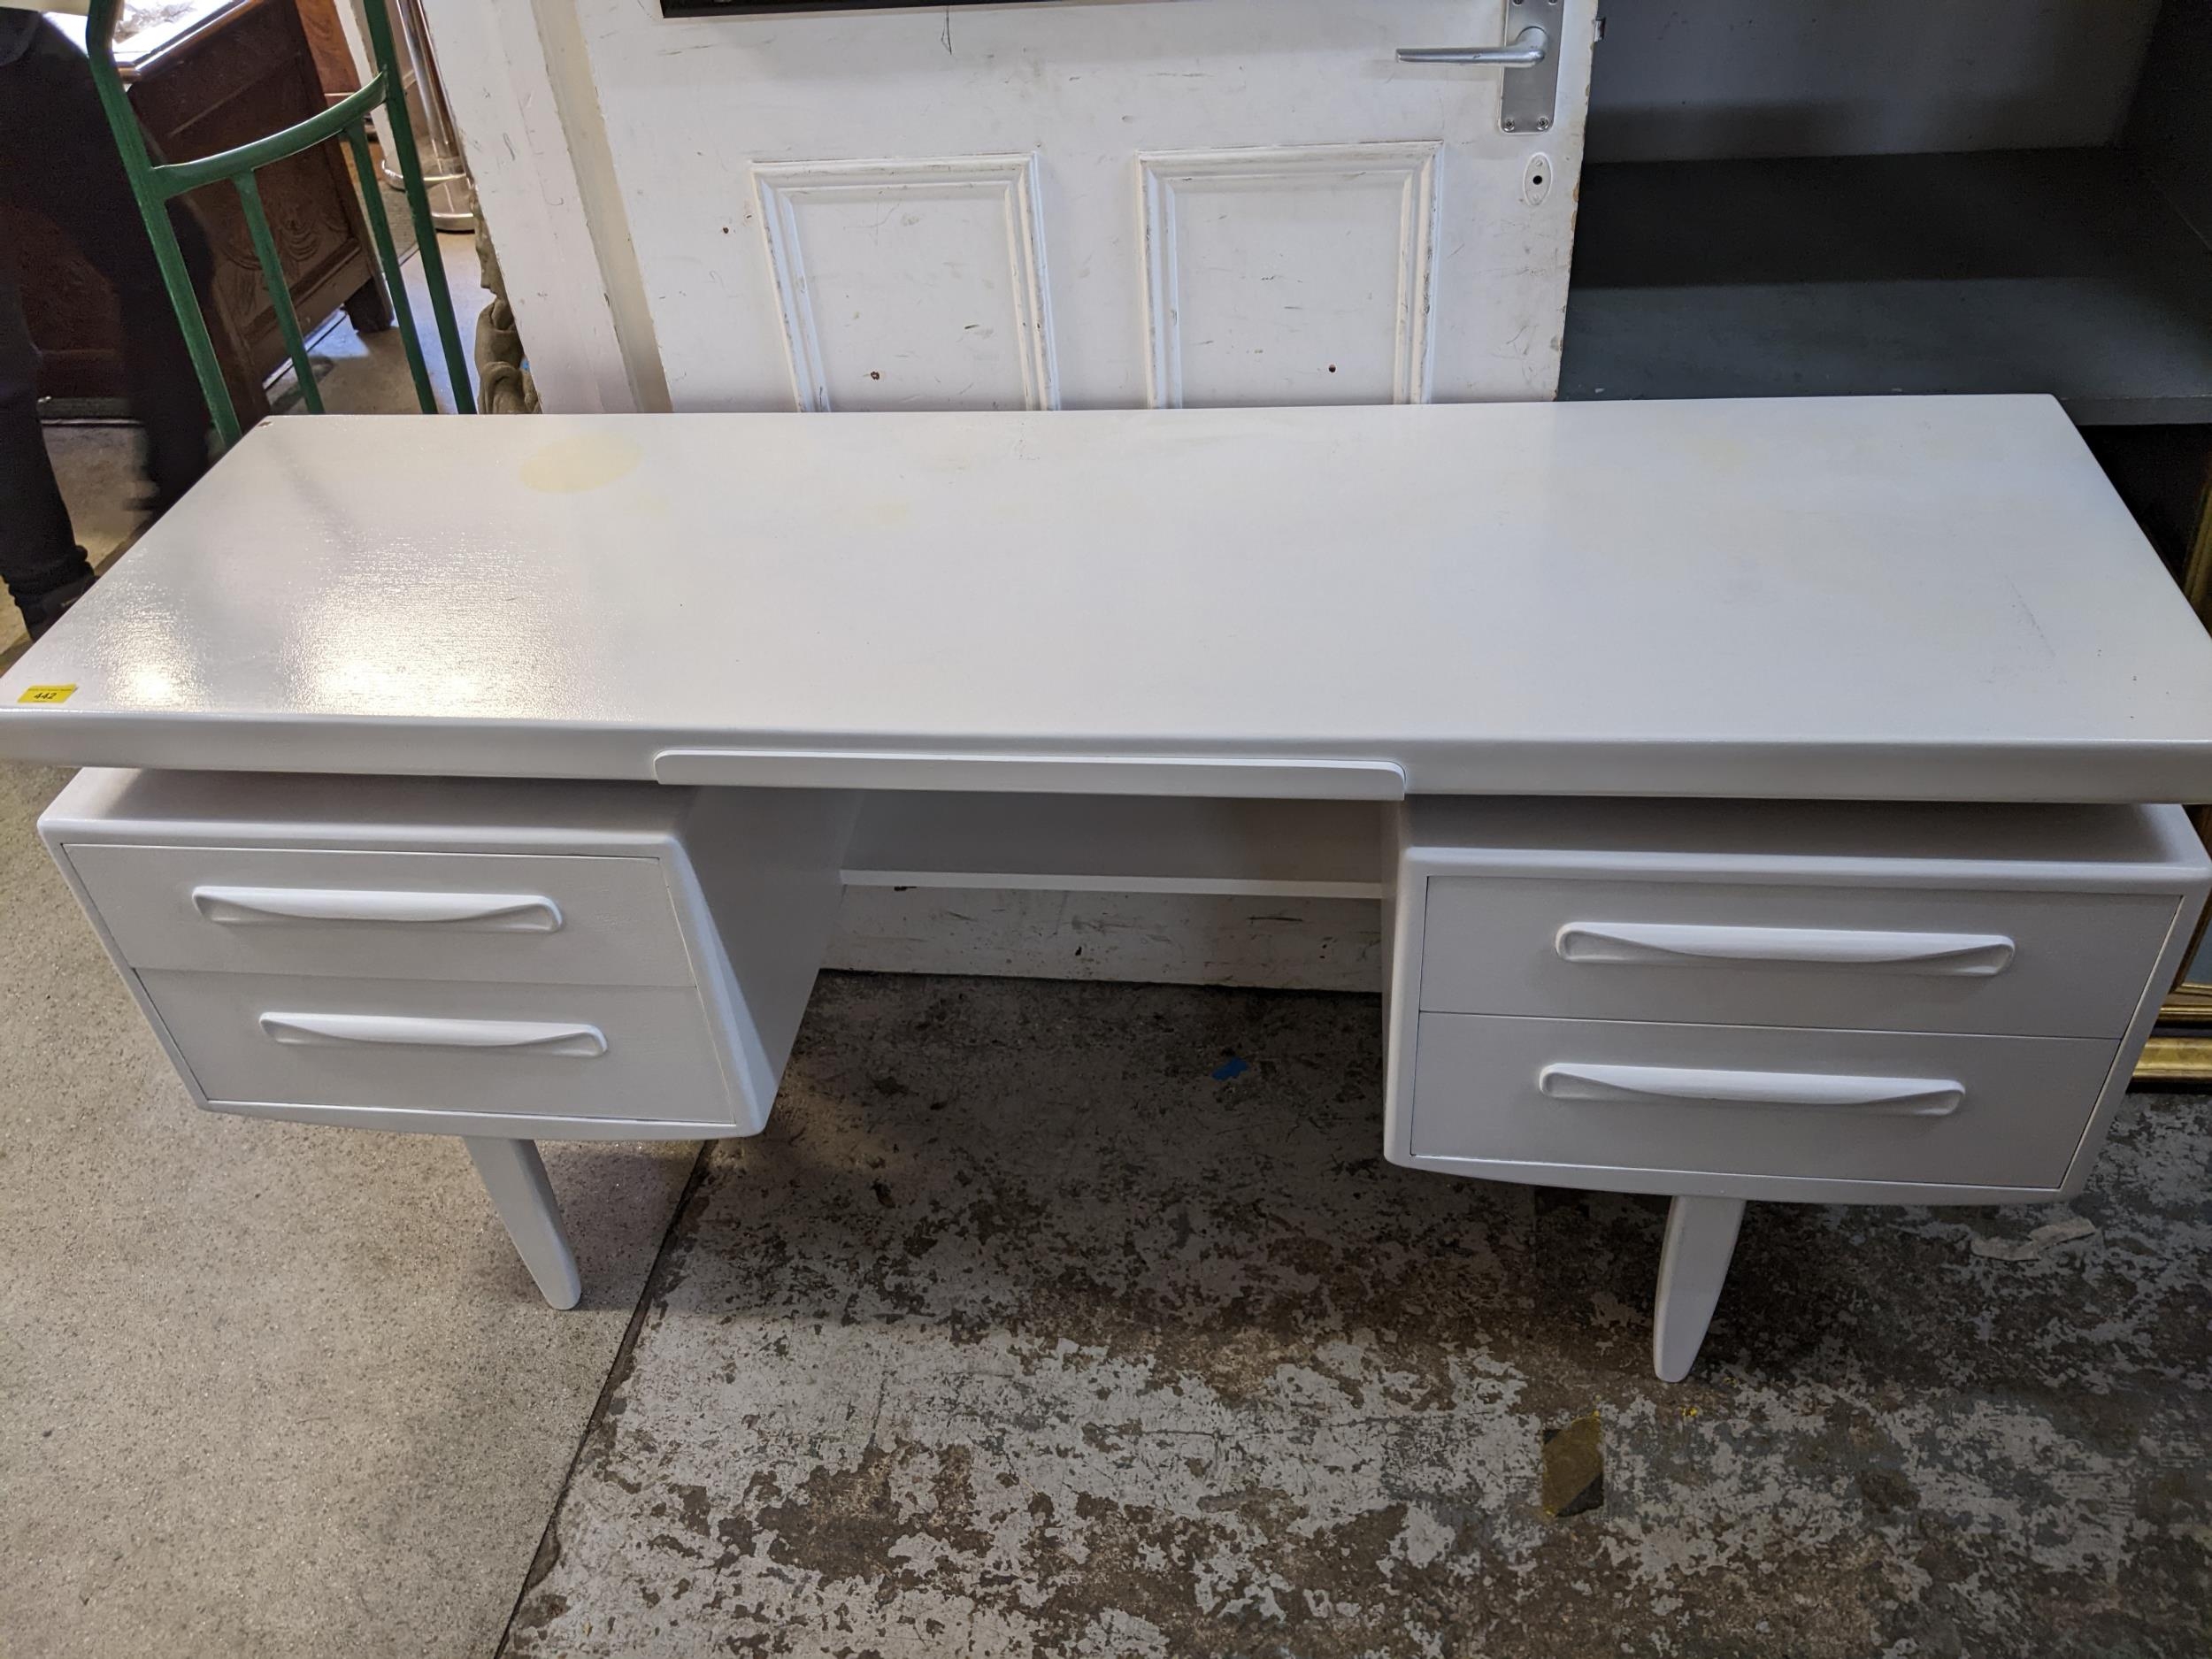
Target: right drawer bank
{"points": [[1827, 1002]]}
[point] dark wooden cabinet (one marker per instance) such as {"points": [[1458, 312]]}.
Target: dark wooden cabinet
{"points": [[212, 76], [327, 41]]}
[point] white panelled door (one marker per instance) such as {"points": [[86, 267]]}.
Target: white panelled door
{"points": [[1090, 204]]}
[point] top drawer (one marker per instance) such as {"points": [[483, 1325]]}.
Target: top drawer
{"points": [[384, 915], [2026, 963]]}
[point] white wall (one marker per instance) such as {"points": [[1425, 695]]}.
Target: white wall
{"points": [[520, 85], [1679, 79]]}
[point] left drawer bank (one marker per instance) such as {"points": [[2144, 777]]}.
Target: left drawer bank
{"points": [[477, 957]]}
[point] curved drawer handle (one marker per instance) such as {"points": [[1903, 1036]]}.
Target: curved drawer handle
{"points": [[1900, 1096], [474, 912], [405, 1030], [1668, 944]]}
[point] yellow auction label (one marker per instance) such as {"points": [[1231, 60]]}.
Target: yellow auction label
{"points": [[46, 694]]}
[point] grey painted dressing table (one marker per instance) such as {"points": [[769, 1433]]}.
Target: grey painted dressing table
{"points": [[1767, 799]]}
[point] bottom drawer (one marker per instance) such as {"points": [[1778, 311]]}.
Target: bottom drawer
{"points": [[1835, 1105], [640, 1052]]}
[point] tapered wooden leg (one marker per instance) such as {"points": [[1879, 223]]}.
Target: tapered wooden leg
{"points": [[1693, 1267], [514, 1175]]}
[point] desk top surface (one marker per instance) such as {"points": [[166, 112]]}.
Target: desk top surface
{"points": [[1874, 598]]}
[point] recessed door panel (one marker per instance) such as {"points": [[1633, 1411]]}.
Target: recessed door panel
{"points": [[1290, 276], [910, 285]]}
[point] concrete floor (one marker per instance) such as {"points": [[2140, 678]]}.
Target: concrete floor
{"points": [[1033, 1326], [1022, 1331], [263, 1389]]}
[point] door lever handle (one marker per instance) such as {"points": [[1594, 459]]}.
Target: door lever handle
{"points": [[1528, 49], [1528, 102]]}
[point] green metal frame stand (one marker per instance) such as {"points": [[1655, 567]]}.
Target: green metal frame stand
{"points": [[157, 183]]}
